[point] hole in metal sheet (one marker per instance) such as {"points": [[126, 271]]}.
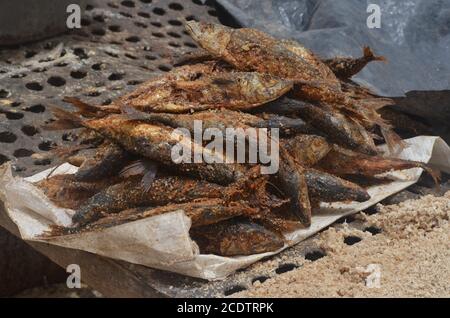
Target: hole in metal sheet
{"points": [[36, 109], [314, 255], [260, 279], [89, 7], [128, 3], [112, 54], [198, 2], [140, 24], [14, 115], [98, 32], [80, 53], [15, 104], [7, 137], [144, 14], [134, 82], [146, 1], [78, 74], [176, 6], [34, 86], [20, 75], [175, 23], [130, 56], [158, 34], [115, 76], [115, 28], [174, 34], [29, 130], [284, 268], [4, 93], [373, 230], [30, 54], [42, 162], [46, 145], [164, 68], [190, 44], [112, 5], [93, 94], [107, 101], [56, 81], [99, 18], [150, 57], [173, 44], [133, 39], [3, 159], [125, 14], [351, 240], [191, 18], [22, 152], [98, 66], [234, 290], [39, 69], [156, 24], [159, 11]]}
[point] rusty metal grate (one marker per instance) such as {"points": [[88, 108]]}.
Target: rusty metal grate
{"points": [[122, 43]]}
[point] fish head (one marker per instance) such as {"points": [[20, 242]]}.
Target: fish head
{"points": [[212, 37]]}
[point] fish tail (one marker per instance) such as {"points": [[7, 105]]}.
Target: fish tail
{"points": [[64, 120], [370, 56], [394, 142], [86, 109]]}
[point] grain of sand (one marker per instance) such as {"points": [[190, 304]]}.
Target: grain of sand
{"points": [[412, 252]]}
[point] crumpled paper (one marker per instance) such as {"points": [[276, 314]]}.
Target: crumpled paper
{"points": [[163, 241]]}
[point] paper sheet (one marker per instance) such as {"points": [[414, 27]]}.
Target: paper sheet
{"points": [[163, 241]]}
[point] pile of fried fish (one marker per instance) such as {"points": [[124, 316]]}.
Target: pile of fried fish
{"points": [[240, 78]]}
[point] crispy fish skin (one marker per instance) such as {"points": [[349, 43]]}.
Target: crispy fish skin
{"points": [[67, 192], [108, 161], [232, 90], [307, 149], [236, 237], [131, 193], [329, 188], [347, 67]]}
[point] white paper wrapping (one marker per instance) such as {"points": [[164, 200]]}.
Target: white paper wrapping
{"points": [[163, 241]]}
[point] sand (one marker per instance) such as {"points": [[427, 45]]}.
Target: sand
{"points": [[409, 258]]}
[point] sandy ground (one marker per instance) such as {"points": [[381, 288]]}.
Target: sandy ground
{"points": [[409, 258]]}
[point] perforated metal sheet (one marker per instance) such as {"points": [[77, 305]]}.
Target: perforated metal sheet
{"points": [[120, 44]]}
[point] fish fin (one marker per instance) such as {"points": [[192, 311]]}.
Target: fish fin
{"points": [[64, 120], [148, 177], [138, 167], [394, 142], [370, 56], [85, 109]]}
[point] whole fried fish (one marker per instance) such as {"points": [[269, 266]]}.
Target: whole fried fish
{"points": [[236, 237], [131, 193], [232, 90], [156, 142], [307, 149]]}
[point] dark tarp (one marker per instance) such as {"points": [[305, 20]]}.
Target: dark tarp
{"points": [[414, 36]]}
